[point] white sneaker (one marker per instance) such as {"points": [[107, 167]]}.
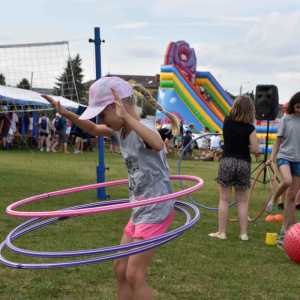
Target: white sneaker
{"points": [[48, 150], [76, 152], [244, 237], [221, 236], [42, 149]]}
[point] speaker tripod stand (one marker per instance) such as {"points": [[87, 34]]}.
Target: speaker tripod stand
{"points": [[266, 170]]}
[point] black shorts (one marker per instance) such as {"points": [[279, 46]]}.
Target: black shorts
{"points": [[44, 134], [4, 132], [165, 133], [234, 172]]}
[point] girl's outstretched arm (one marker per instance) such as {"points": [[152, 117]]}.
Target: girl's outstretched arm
{"points": [[86, 125], [149, 136]]}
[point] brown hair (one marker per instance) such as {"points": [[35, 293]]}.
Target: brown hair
{"points": [[243, 110], [173, 119], [207, 129], [294, 100]]}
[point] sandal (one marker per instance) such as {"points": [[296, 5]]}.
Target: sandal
{"points": [[244, 237], [270, 206], [280, 238], [283, 232], [221, 236]]}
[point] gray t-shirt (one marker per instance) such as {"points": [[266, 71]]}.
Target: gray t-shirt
{"points": [[289, 129], [148, 174]]}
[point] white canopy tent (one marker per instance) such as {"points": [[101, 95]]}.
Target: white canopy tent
{"points": [[15, 96]]}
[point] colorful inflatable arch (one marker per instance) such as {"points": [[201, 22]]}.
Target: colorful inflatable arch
{"points": [[196, 96]]}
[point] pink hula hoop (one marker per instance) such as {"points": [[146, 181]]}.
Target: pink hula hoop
{"points": [[78, 212], [270, 196], [297, 197]]}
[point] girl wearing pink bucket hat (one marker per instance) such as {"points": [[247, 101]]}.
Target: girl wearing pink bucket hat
{"points": [[112, 99]]}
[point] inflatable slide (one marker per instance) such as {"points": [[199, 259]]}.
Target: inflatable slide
{"points": [[196, 96]]}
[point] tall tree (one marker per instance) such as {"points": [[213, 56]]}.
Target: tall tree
{"points": [[24, 84], [2, 79], [65, 83]]}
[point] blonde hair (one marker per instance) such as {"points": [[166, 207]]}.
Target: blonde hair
{"points": [[243, 110], [173, 119]]}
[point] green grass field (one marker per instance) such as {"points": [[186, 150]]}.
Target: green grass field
{"points": [[193, 266]]}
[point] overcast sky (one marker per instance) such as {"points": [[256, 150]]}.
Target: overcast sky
{"points": [[237, 41]]}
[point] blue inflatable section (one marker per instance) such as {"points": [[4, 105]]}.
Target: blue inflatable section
{"points": [[172, 69], [263, 149], [263, 129], [216, 85], [173, 103]]}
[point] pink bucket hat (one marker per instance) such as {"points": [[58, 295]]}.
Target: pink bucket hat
{"points": [[101, 95]]}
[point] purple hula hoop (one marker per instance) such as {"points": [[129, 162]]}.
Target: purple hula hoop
{"points": [[139, 246]]}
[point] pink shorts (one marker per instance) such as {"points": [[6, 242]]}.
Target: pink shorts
{"points": [[147, 231]]}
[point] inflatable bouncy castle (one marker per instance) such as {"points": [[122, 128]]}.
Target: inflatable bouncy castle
{"points": [[196, 96]]}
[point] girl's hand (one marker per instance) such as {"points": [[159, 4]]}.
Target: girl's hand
{"points": [[268, 162], [56, 105], [120, 109]]}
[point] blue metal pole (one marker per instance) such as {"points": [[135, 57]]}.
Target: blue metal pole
{"points": [[35, 133], [100, 170], [23, 126]]}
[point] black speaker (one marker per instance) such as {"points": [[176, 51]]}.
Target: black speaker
{"points": [[266, 102]]}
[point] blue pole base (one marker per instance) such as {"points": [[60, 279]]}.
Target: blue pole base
{"points": [[101, 178]]}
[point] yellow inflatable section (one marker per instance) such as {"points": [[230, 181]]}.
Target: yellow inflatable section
{"points": [[205, 81], [272, 136], [173, 77]]}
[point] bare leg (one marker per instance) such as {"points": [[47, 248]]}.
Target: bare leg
{"points": [[291, 196], [65, 147], [136, 274], [80, 146], [42, 142], [178, 148], [120, 266], [54, 145], [240, 198], [167, 145], [285, 172], [47, 142], [225, 196]]}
